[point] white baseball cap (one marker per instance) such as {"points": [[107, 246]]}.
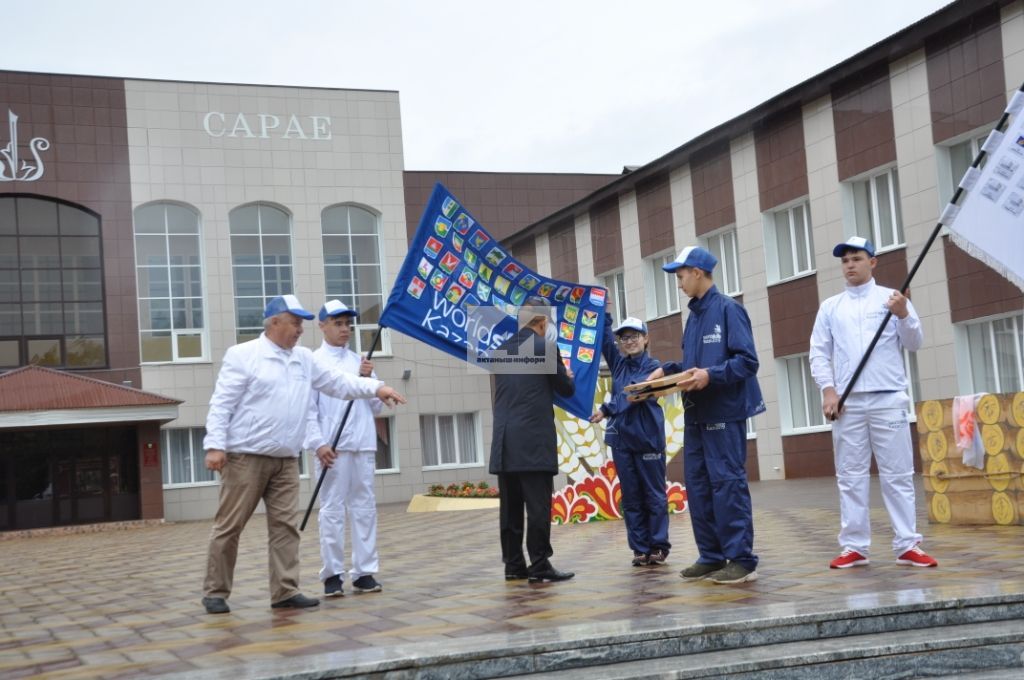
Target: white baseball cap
{"points": [[631, 323]]}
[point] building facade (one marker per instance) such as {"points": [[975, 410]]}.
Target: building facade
{"points": [[875, 147], [144, 224]]}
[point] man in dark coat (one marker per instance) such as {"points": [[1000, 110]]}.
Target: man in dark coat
{"points": [[523, 448]]}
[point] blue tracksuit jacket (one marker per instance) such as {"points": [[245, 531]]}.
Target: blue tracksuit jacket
{"points": [[632, 427], [718, 338]]}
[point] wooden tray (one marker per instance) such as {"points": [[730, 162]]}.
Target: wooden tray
{"points": [[653, 389]]}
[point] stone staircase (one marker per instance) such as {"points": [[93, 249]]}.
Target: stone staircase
{"points": [[902, 634]]}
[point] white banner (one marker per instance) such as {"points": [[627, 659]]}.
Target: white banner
{"points": [[990, 222]]}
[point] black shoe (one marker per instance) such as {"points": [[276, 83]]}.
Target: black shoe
{"points": [[550, 574], [216, 605], [297, 601], [657, 557], [640, 559], [332, 586], [701, 570], [516, 575], [366, 584]]}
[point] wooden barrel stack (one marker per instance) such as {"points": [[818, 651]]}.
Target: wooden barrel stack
{"points": [[960, 494]]}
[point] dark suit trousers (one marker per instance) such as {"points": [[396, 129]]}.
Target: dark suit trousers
{"points": [[530, 491]]}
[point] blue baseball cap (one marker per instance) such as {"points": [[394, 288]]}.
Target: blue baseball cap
{"points": [[336, 308], [854, 243], [693, 256], [286, 303]]}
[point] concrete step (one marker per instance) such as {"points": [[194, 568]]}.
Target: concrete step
{"points": [[933, 652], [926, 632]]}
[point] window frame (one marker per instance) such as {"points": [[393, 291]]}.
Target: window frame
{"points": [[262, 267], [771, 245], [615, 283], [655, 276], [204, 332], [396, 466], [964, 352], [22, 339], [385, 336], [725, 268], [786, 401], [477, 439], [165, 452], [947, 183], [851, 216]]}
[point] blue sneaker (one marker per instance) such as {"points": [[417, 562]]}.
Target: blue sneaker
{"points": [[332, 587], [366, 584]]}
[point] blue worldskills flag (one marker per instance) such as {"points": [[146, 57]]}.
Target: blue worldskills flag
{"points": [[454, 269]]}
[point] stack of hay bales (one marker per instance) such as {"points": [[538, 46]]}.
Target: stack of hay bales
{"points": [[959, 494]]}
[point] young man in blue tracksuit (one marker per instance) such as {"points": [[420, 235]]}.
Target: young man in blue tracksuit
{"points": [[722, 392], [636, 434]]}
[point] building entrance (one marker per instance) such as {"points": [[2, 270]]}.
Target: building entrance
{"points": [[57, 477]]}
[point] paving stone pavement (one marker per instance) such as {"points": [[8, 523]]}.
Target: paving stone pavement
{"points": [[126, 603]]}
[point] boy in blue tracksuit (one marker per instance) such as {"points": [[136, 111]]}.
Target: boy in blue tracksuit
{"points": [[636, 434], [722, 392]]}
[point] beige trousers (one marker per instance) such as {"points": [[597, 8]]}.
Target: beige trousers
{"points": [[244, 481]]}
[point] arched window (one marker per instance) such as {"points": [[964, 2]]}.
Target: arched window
{"points": [[261, 263], [352, 268], [168, 263], [51, 285]]}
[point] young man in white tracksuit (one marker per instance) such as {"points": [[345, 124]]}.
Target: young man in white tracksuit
{"points": [[874, 416], [348, 486]]}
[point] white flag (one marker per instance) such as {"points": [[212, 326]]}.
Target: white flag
{"points": [[989, 222]]}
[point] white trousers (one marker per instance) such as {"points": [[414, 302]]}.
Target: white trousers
{"points": [[347, 492], [875, 422]]}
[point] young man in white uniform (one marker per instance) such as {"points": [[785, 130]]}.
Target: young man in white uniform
{"points": [[348, 485], [874, 416], [257, 421]]}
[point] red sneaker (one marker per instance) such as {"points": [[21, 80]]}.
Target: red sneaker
{"points": [[848, 558], [916, 557]]}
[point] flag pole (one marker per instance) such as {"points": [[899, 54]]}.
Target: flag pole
{"points": [[337, 437], [1000, 126]]}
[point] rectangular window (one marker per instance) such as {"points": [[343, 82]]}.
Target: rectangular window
{"points": [[723, 246], [876, 209], [799, 396], [954, 160], [616, 285], [353, 270], [995, 352], [450, 440], [386, 459], [51, 285], [170, 283], [660, 287], [789, 250], [913, 380], [261, 263], [184, 460]]}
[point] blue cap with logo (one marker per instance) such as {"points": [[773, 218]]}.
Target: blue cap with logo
{"points": [[631, 323], [693, 256], [854, 243], [336, 308], [286, 303]]}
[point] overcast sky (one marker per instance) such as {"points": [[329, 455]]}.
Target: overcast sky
{"points": [[524, 85]]}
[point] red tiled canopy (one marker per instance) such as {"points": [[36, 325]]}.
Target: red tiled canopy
{"points": [[34, 388]]}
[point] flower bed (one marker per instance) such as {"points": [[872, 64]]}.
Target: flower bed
{"points": [[463, 490]]}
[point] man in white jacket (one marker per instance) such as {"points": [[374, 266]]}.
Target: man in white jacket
{"points": [[874, 416], [254, 434], [348, 485]]}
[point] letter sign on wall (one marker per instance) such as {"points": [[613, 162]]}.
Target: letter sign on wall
{"points": [[266, 125]]}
